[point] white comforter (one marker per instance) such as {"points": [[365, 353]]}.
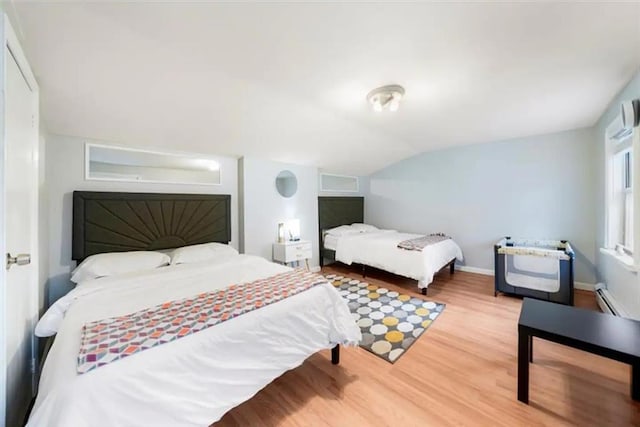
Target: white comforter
{"points": [[379, 249], [195, 380]]}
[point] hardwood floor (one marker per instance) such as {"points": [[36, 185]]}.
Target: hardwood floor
{"points": [[462, 371]]}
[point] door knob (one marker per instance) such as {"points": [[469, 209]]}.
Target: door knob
{"points": [[20, 259]]}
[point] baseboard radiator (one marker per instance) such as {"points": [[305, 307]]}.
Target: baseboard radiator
{"points": [[607, 302]]}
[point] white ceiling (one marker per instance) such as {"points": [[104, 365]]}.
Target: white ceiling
{"points": [[288, 81]]}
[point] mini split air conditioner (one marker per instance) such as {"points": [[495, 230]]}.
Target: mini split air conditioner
{"points": [[629, 118]]}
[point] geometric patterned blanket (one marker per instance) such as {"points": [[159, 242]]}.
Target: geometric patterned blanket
{"points": [[109, 340], [419, 243]]}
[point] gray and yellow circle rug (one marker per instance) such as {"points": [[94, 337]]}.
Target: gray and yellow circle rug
{"points": [[390, 322]]}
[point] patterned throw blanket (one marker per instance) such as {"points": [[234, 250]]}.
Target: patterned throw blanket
{"points": [[108, 340], [419, 243]]}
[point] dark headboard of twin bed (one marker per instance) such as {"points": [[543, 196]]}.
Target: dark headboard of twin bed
{"points": [[119, 222], [336, 211]]}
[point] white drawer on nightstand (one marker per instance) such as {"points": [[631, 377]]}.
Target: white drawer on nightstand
{"points": [[292, 251]]}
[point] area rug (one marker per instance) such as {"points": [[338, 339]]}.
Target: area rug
{"points": [[390, 322]]}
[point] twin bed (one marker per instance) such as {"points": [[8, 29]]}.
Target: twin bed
{"points": [[193, 380], [343, 237]]}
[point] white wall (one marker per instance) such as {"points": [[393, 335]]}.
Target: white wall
{"points": [[263, 207], [65, 174], [43, 222], [623, 284], [537, 187]]}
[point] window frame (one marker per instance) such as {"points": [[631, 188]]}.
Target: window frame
{"points": [[355, 179], [629, 259], [627, 188]]}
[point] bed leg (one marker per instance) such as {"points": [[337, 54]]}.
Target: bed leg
{"points": [[335, 355], [452, 267], [424, 291]]}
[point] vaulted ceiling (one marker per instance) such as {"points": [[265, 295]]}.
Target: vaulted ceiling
{"points": [[288, 81]]}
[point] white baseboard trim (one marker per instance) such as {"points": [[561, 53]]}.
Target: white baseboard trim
{"points": [[469, 269], [591, 287], [315, 269]]}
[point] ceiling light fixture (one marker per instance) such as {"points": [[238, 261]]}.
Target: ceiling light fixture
{"points": [[386, 97]]}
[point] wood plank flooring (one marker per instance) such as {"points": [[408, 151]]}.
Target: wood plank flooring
{"points": [[461, 371]]}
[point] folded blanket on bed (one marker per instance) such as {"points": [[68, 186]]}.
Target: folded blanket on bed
{"points": [[108, 340], [419, 243]]}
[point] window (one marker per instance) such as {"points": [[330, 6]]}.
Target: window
{"points": [[338, 183], [622, 206], [620, 237]]}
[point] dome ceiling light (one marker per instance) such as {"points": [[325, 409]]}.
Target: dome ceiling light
{"points": [[386, 98]]}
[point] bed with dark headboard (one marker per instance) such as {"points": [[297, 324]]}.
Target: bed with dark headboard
{"points": [[336, 211], [183, 301], [119, 222]]}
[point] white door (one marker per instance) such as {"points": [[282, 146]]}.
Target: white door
{"points": [[21, 210]]}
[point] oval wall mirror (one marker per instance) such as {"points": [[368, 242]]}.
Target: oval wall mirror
{"points": [[286, 183]]}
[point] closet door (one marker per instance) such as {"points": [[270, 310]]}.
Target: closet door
{"points": [[20, 193]]}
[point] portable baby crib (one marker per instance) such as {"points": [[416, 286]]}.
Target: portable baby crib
{"points": [[541, 269]]}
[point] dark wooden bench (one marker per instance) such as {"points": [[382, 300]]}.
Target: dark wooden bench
{"points": [[598, 333]]}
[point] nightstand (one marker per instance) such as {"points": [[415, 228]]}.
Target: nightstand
{"points": [[292, 251]]}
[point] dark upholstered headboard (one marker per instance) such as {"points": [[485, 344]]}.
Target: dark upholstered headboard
{"points": [[335, 211], [119, 222]]}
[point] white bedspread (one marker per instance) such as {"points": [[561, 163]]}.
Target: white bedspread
{"points": [[380, 250], [195, 380], [331, 242]]}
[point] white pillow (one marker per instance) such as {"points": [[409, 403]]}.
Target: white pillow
{"points": [[113, 263], [341, 230], [198, 253], [364, 228]]}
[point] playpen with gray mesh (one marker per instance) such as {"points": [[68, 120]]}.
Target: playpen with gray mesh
{"points": [[541, 269]]}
